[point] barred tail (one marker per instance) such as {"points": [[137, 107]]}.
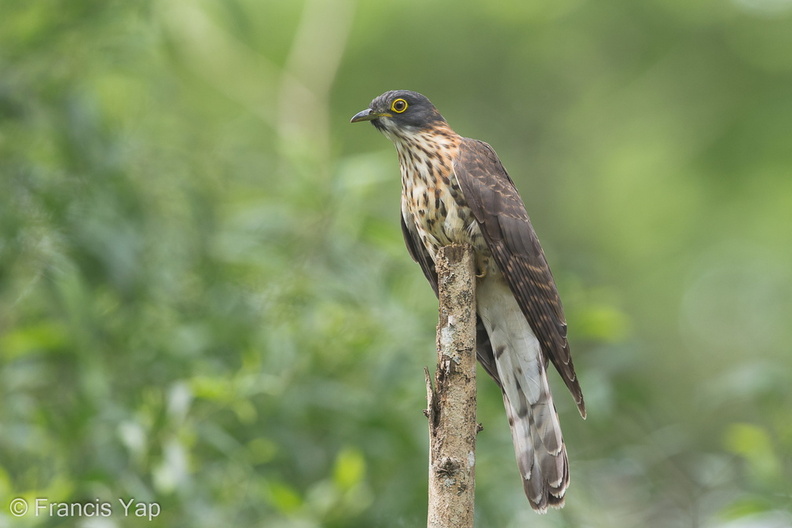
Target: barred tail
{"points": [[540, 451], [536, 431]]}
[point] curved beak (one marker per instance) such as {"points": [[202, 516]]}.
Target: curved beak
{"points": [[367, 115]]}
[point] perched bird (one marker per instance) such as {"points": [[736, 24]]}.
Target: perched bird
{"points": [[456, 191]]}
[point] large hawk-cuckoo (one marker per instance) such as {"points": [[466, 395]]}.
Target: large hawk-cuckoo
{"points": [[456, 191]]}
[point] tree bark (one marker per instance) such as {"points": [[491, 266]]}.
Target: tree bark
{"points": [[452, 400]]}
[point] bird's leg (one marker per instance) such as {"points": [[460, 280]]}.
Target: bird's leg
{"points": [[481, 267]]}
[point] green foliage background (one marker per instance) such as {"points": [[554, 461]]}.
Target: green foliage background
{"points": [[205, 300]]}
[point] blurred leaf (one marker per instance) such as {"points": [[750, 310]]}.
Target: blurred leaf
{"points": [[350, 468], [603, 323], [753, 443], [43, 336], [284, 498]]}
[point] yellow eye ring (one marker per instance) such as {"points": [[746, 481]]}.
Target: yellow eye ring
{"points": [[399, 105]]}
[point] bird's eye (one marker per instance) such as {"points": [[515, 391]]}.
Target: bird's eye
{"points": [[399, 106]]}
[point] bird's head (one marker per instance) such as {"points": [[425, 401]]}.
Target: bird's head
{"points": [[400, 113]]}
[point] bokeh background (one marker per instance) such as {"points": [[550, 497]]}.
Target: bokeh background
{"points": [[205, 300]]}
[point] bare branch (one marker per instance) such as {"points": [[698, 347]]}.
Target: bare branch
{"points": [[452, 400]]}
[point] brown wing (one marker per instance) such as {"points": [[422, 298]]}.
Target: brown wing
{"points": [[420, 255], [501, 215]]}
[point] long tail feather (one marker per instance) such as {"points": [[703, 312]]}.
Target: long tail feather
{"points": [[521, 369]]}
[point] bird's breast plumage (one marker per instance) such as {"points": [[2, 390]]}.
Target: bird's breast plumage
{"points": [[431, 196]]}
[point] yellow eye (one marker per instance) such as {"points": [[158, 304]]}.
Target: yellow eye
{"points": [[399, 106]]}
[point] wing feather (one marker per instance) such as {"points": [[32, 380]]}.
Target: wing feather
{"points": [[492, 197], [417, 251]]}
